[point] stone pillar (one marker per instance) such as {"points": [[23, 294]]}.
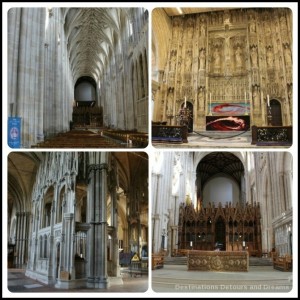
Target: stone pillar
{"points": [[98, 219], [13, 40], [35, 234], [18, 239], [69, 247], [125, 240], [63, 240], [155, 216], [169, 233], [115, 241], [51, 267]]}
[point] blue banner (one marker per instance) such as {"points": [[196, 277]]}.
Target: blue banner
{"points": [[14, 132]]}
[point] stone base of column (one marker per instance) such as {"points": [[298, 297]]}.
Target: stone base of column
{"points": [[70, 284], [97, 283], [118, 280]]}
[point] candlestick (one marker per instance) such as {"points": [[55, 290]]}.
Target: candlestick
{"points": [[210, 104]]}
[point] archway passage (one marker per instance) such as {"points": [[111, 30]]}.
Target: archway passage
{"points": [[220, 236], [276, 113], [222, 167], [220, 219]]}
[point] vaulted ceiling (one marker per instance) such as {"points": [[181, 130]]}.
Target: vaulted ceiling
{"points": [[92, 35], [220, 163], [22, 168]]}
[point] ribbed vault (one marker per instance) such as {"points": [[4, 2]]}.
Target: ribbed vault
{"points": [[92, 35]]}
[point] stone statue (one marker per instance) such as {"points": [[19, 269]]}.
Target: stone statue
{"points": [[287, 55], [173, 61], [282, 22], [270, 58], [201, 98], [190, 32], [202, 30], [217, 58], [255, 96], [267, 27], [252, 27], [202, 57], [188, 62], [177, 170], [238, 57], [254, 57], [169, 101]]}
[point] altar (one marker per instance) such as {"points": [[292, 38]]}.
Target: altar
{"points": [[218, 261]]}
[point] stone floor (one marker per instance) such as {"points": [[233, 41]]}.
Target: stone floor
{"points": [[17, 282], [259, 279], [172, 279]]}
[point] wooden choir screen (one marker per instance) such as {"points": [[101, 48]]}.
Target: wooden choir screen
{"points": [[87, 117], [220, 228]]}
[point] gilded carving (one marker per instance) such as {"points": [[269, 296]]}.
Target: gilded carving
{"points": [[230, 53], [218, 261]]}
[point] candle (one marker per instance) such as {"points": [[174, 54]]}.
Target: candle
{"points": [[210, 99], [245, 97], [184, 102], [191, 243], [244, 244], [268, 99]]}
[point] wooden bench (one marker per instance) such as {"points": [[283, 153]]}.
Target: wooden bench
{"points": [[157, 261], [283, 263]]}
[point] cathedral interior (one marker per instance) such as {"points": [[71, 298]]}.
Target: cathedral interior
{"points": [[106, 220], [209, 205], [78, 69], [72, 215], [221, 71], [226, 197]]}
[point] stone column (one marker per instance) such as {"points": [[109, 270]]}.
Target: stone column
{"points": [[98, 219], [68, 246], [51, 267], [34, 240], [17, 261], [155, 216], [13, 40], [115, 242]]}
